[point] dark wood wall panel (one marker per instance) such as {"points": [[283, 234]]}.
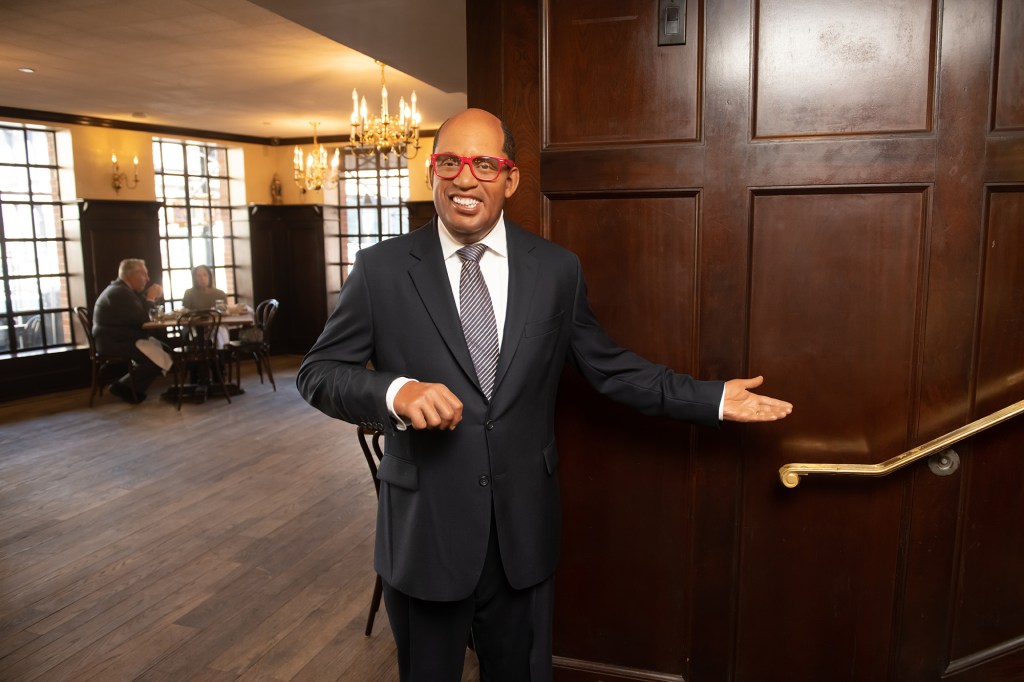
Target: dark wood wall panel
{"points": [[988, 612], [835, 296], [1001, 346], [627, 570], [594, 99], [630, 290], [845, 70], [989, 606], [287, 244], [1008, 110], [113, 231], [836, 289]]}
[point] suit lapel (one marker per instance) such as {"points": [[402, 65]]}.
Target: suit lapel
{"points": [[522, 280], [430, 278]]}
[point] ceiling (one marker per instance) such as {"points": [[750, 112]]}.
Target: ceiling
{"points": [[265, 68]]}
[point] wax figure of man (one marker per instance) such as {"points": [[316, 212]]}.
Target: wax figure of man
{"points": [[468, 518], [121, 310]]}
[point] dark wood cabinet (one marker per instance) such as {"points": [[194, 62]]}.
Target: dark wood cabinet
{"points": [[288, 264]]}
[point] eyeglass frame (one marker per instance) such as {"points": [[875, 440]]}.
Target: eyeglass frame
{"points": [[468, 161]]}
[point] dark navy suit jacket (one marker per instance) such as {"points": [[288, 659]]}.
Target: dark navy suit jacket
{"points": [[396, 311]]}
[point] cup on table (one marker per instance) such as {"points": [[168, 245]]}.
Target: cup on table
{"points": [[220, 305], [155, 314]]}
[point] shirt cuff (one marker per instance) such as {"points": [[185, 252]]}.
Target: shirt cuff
{"points": [[389, 398], [721, 406]]}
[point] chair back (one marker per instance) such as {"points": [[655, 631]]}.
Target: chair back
{"points": [[85, 319], [369, 441], [264, 317], [199, 331]]}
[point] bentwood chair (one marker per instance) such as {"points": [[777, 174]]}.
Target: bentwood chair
{"points": [[369, 441], [101, 362], [198, 355], [254, 342]]}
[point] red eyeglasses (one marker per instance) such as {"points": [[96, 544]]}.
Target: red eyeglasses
{"points": [[484, 168]]}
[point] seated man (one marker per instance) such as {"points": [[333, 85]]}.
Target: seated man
{"points": [[120, 312]]}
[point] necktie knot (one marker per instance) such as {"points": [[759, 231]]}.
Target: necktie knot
{"points": [[473, 252]]}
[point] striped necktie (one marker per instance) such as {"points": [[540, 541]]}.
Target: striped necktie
{"points": [[477, 315]]}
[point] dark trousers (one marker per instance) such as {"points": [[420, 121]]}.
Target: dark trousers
{"points": [[511, 629]]}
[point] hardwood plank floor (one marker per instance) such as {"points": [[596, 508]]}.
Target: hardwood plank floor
{"points": [[221, 542]]}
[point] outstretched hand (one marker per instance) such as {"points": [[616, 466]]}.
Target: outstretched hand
{"points": [[741, 405]]}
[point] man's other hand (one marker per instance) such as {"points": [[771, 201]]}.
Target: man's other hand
{"points": [[741, 405]]}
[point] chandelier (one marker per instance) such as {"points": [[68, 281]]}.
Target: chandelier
{"points": [[313, 172], [385, 134]]}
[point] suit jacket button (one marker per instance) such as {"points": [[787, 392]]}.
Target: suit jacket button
{"points": [[484, 481], [490, 425]]}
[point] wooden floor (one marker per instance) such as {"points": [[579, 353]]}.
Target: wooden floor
{"points": [[222, 542]]}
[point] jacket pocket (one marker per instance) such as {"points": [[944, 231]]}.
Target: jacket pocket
{"points": [[400, 472], [542, 327], [550, 455]]}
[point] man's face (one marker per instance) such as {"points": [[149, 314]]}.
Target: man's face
{"points": [[137, 279], [468, 207]]}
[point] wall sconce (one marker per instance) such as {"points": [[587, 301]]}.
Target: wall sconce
{"points": [[121, 178]]}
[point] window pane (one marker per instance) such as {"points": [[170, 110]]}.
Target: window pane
{"points": [[173, 157], [14, 182], [40, 147], [17, 221], [219, 192], [24, 294], [58, 328], [218, 160], [21, 259], [47, 221], [44, 184], [174, 187], [52, 291], [49, 257], [12, 145], [200, 221], [30, 331], [198, 188]]}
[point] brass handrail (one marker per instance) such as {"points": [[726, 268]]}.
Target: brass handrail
{"points": [[791, 473]]}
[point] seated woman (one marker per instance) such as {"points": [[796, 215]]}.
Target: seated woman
{"points": [[203, 295]]}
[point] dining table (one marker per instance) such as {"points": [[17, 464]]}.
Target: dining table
{"points": [[198, 392], [228, 320]]}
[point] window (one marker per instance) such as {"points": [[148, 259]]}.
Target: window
{"points": [[36, 201], [366, 207], [199, 193]]}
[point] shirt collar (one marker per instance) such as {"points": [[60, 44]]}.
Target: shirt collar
{"points": [[495, 240]]}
